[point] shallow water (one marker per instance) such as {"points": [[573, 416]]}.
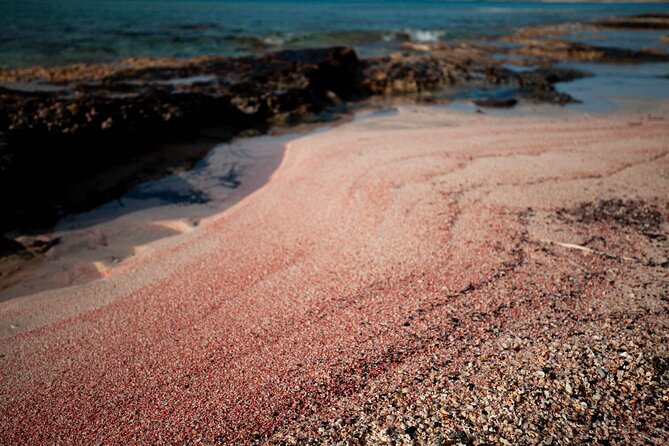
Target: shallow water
{"points": [[613, 82], [46, 32]]}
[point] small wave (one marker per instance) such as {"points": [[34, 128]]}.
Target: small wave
{"points": [[276, 39], [415, 35], [256, 42], [425, 36], [289, 40], [324, 38]]}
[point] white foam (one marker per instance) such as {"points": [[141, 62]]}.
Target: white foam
{"points": [[424, 35]]}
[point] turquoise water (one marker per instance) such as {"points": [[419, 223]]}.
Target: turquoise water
{"points": [[48, 32]]}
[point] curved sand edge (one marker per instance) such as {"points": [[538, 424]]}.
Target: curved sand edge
{"points": [[71, 280]]}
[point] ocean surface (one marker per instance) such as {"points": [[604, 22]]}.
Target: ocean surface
{"points": [[53, 32]]}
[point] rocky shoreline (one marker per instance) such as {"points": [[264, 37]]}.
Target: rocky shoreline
{"points": [[62, 128]]}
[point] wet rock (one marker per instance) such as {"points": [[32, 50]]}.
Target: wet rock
{"points": [[640, 21], [414, 74], [549, 51], [410, 74], [111, 116], [493, 102], [538, 85]]}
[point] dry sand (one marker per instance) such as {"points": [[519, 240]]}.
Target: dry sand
{"points": [[432, 277]]}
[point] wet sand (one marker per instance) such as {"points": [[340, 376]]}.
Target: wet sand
{"points": [[425, 278]]}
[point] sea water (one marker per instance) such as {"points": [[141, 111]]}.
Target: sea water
{"points": [[53, 32]]}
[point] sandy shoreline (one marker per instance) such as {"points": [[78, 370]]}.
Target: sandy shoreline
{"points": [[88, 246], [404, 279]]}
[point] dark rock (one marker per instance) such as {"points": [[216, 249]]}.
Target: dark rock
{"points": [[538, 85], [459, 435], [548, 51], [10, 247], [333, 69], [50, 144], [412, 74], [554, 75], [640, 21], [493, 102]]}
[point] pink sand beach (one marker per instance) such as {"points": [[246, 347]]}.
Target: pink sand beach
{"points": [[427, 277]]}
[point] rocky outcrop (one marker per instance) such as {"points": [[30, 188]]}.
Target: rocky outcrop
{"points": [[554, 50], [54, 139], [402, 74], [413, 74]]}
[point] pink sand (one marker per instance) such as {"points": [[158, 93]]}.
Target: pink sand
{"points": [[293, 298]]}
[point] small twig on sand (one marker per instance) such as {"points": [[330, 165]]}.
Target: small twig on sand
{"points": [[592, 251]]}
